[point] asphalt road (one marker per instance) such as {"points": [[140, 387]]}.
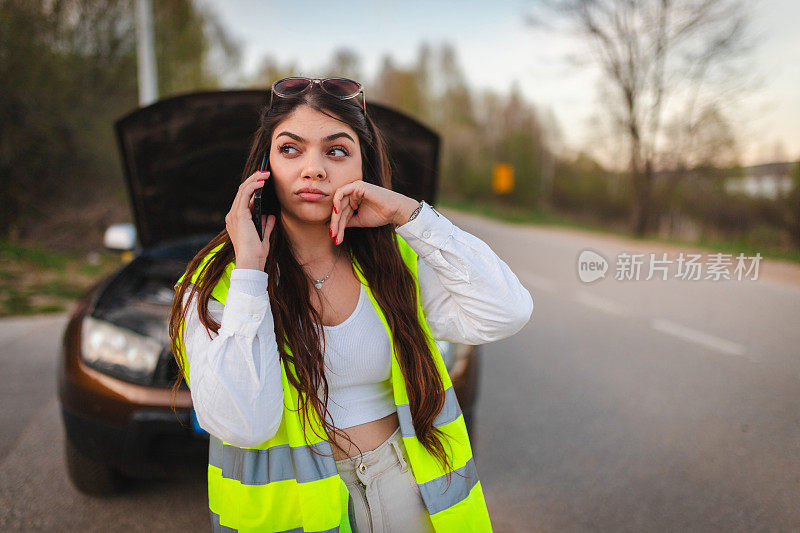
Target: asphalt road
{"points": [[622, 406]]}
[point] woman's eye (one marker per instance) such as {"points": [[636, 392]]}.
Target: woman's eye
{"points": [[285, 146], [341, 149]]}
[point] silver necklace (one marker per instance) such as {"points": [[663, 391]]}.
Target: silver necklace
{"points": [[318, 282]]}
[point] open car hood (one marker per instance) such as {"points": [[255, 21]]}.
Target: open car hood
{"points": [[183, 159]]}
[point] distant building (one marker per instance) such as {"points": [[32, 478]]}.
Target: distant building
{"points": [[770, 180]]}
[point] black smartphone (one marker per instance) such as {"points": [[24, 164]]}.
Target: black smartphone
{"points": [[264, 200]]}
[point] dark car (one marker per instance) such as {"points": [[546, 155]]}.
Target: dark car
{"points": [[183, 158]]}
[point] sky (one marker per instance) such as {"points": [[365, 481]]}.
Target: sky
{"points": [[495, 49]]}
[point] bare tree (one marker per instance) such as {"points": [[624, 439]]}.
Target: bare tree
{"points": [[657, 56], [345, 63]]}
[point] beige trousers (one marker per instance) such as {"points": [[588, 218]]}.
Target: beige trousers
{"points": [[384, 497]]}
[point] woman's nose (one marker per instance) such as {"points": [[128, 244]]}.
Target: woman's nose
{"points": [[314, 168]]}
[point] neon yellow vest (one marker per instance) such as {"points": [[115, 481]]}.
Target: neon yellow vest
{"points": [[281, 485]]}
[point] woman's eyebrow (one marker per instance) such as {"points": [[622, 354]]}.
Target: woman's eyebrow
{"points": [[324, 139]]}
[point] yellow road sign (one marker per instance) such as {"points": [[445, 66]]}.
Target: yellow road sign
{"points": [[503, 178]]}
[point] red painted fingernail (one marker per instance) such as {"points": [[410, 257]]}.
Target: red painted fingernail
{"points": [[335, 210], [260, 179], [330, 232]]}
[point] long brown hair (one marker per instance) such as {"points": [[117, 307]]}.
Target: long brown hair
{"points": [[376, 250]]}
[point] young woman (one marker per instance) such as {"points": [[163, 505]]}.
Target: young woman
{"points": [[309, 353]]}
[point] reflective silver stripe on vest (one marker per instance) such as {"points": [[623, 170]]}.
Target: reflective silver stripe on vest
{"points": [[278, 463], [433, 491], [449, 412], [282, 462], [215, 526]]}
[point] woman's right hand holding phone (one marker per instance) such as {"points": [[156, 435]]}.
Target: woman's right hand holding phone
{"points": [[251, 252]]}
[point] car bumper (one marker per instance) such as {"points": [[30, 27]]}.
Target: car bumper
{"points": [[151, 443]]}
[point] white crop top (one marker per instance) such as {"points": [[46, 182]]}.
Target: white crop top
{"points": [[358, 367]]}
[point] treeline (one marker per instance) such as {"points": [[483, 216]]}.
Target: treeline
{"points": [[484, 128], [68, 71]]}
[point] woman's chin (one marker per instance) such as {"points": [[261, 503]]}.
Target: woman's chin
{"points": [[314, 211]]}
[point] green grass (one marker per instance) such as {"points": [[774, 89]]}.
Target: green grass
{"points": [[32, 255], [35, 280], [521, 215], [736, 247]]}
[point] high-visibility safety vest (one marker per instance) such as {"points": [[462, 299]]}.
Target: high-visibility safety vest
{"points": [[281, 485]]}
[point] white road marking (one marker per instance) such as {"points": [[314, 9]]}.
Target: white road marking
{"points": [[699, 337], [602, 304], [665, 326]]}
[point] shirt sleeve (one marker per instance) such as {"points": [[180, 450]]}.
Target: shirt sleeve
{"points": [[235, 375], [468, 294]]}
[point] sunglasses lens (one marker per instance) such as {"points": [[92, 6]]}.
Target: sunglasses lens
{"points": [[291, 86], [341, 87]]}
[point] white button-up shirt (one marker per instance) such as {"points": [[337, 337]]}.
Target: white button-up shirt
{"points": [[468, 295]]}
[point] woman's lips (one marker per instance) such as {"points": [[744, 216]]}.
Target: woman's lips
{"points": [[311, 196]]}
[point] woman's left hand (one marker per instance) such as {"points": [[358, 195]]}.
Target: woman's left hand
{"points": [[363, 204]]}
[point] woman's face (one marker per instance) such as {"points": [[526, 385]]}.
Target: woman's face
{"points": [[311, 149]]}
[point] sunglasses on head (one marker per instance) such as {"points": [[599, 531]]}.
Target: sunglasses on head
{"points": [[342, 88]]}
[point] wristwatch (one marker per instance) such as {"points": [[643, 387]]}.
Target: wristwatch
{"points": [[416, 211], [419, 208]]}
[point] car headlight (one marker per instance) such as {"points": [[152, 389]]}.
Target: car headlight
{"points": [[119, 351]]}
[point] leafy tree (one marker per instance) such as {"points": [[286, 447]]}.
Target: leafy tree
{"points": [[67, 72]]}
